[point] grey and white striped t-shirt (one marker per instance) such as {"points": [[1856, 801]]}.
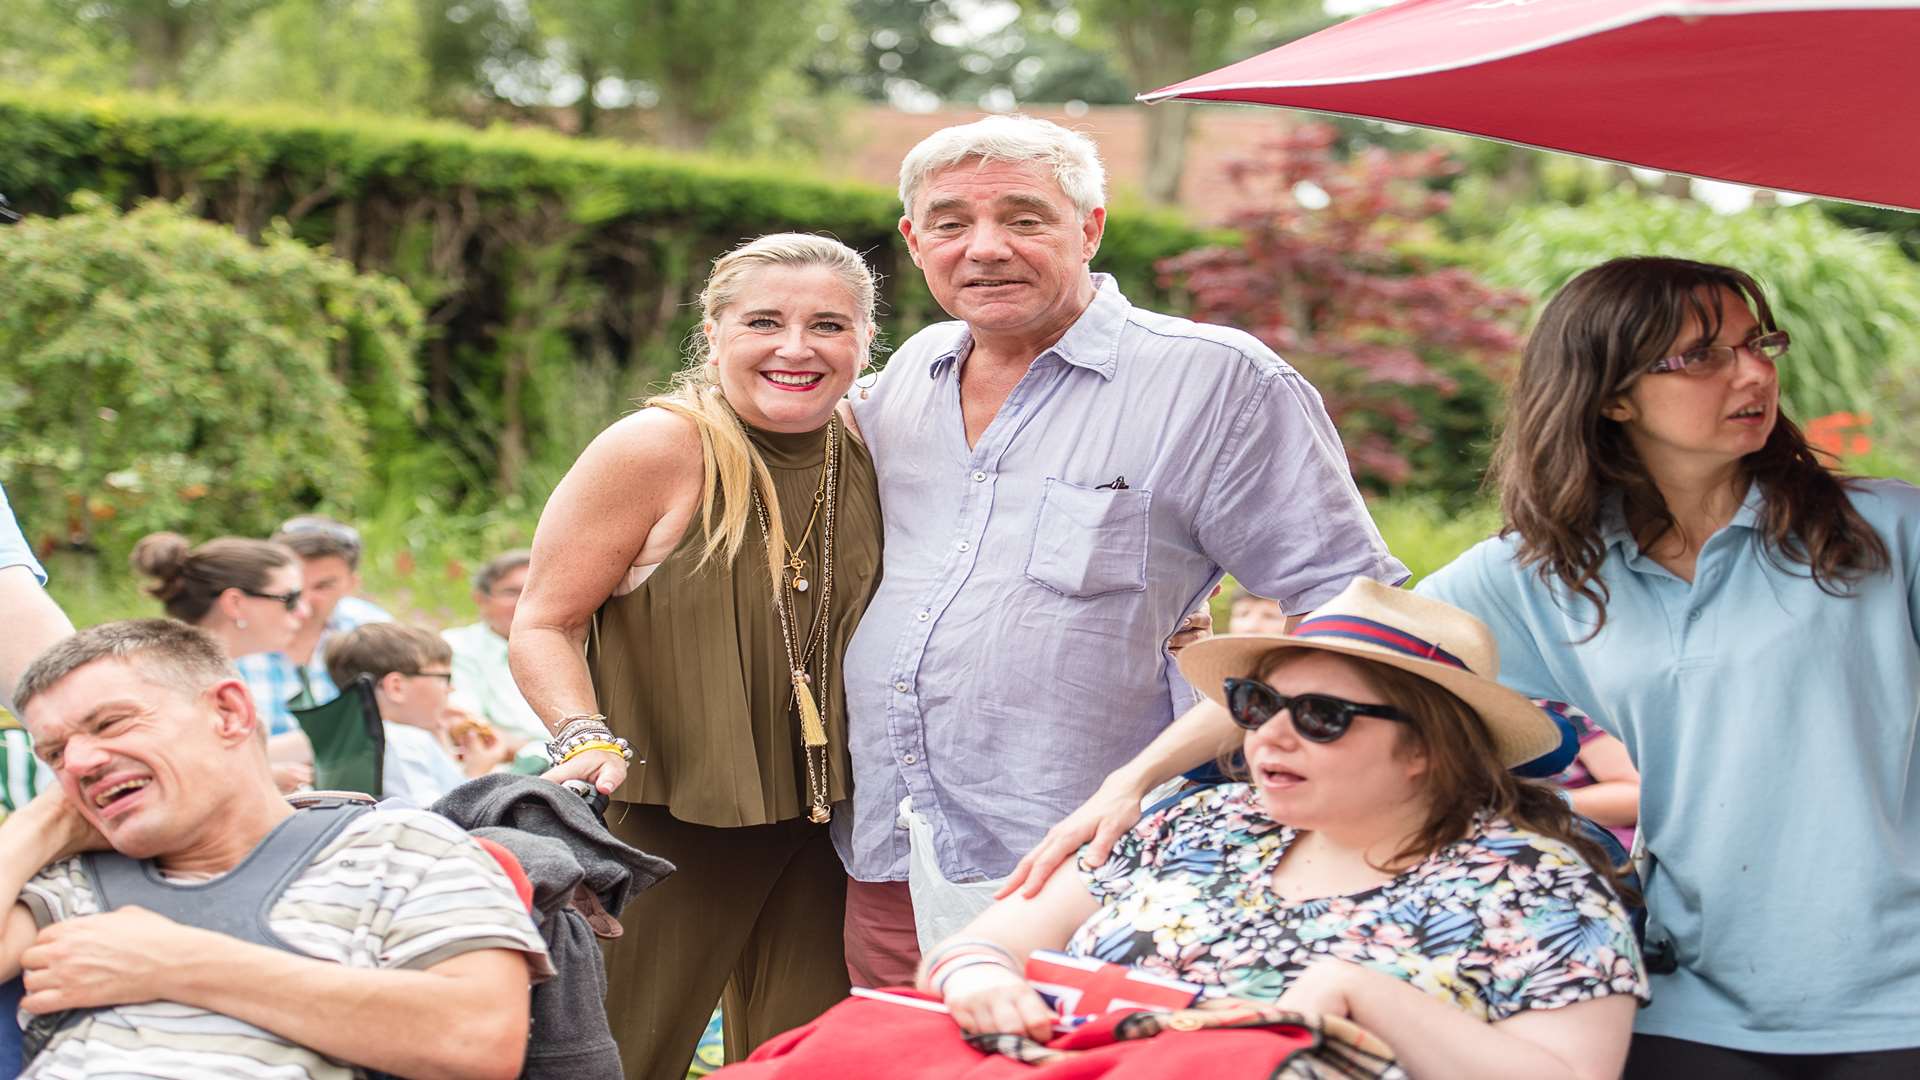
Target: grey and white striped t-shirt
{"points": [[396, 889]]}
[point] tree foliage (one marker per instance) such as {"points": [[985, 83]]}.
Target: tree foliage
{"points": [[1160, 42], [1850, 299], [541, 262], [165, 373], [1403, 352]]}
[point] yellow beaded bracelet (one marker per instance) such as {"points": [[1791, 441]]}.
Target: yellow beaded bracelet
{"points": [[584, 747]]}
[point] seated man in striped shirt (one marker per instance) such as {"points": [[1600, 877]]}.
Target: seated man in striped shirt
{"points": [[397, 946]]}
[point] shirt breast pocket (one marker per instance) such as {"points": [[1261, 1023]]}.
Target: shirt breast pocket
{"points": [[1089, 542]]}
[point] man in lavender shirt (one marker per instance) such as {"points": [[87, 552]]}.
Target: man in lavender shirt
{"points": [[1064, 477]]}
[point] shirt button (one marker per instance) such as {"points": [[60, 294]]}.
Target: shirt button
{"points": [[1694, 615], [921, 615], [964, 546], [900, 686], [979, 477], [909, 759]]}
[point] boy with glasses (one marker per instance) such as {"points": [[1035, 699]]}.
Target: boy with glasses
{"points": [[412, 672]]}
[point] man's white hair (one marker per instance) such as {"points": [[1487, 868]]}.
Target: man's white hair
{"points": [[1020, 139]]}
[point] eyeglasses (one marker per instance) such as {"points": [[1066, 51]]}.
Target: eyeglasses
{"points": [[290, 600], [1708, 359], [443, 676], [1320, 718]]}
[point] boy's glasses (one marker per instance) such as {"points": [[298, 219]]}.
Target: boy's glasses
{"points": [[1320, 718], [1709, 359]]}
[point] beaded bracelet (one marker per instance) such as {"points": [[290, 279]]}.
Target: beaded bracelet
{"points": [[559, 748], [620, 747], [576, 723]]}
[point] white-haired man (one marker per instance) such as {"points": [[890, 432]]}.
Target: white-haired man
{"points": [[393, 943], [1065, 476]]}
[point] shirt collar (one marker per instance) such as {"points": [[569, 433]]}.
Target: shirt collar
{"points": [[1092, 342], [1613, 518]]}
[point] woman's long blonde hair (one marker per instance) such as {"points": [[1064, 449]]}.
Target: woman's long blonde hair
{"points": [[731, 465]]}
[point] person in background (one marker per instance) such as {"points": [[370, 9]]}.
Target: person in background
{"points": [[29, 622], [412, 673], [1250, 614], [1602, 784], [1676, 561], [249, 594], [329, 553], [480, 670]]}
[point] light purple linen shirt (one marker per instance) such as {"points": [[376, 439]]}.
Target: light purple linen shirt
{"points": [[1015, 652]]}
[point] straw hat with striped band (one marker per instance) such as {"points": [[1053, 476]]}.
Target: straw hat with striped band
{"points": [[1376, 622]]}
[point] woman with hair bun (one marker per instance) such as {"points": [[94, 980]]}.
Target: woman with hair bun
{"points": [[248, 595], [694, 583]]}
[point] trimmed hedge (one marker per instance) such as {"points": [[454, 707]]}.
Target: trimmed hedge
{"points": [[539, 260]]}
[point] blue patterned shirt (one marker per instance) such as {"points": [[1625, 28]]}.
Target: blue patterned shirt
{"points": [[274, 679], [1015, 652]]}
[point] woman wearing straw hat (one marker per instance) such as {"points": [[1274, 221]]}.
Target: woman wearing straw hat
{"points": [[1378, 863]]}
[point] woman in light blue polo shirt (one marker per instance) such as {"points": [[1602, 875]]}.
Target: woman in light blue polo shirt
{"points": [[1677, 561]]}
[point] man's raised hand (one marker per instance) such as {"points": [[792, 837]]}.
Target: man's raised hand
{"points": [[1098, 824]]}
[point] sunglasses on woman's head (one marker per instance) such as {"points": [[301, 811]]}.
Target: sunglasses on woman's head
{"points": [[1320, 718]]}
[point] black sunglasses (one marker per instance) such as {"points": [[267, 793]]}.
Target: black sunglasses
{"points": [[290, 600], [1320, 718]]}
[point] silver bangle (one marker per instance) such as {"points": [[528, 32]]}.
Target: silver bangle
{"points": [[956, 944], [961, 963]]}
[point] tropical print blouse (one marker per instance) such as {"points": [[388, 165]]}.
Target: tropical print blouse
{"points": [[1503, 921]]}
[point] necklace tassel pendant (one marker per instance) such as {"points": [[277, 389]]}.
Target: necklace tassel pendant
{"points": [[813, 733]]}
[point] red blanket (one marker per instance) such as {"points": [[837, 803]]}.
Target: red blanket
{"points": [[864, 1038]]}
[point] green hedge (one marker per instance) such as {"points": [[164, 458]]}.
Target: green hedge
{"points": [[557, 275]]}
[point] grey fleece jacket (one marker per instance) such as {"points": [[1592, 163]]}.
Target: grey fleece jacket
{"points": [[560, 845]]}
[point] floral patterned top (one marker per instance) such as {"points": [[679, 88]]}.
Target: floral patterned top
{"points": [[1503, 921]]}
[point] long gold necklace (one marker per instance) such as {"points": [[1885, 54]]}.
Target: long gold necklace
{"points": [[796, 564], [802, 654]]}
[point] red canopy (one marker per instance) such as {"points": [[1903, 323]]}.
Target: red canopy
{"points": [[1815, 96]]}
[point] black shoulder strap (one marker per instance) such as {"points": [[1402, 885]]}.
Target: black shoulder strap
{"points": [[235, 904]]}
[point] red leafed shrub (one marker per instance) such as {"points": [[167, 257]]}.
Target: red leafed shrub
{"points": [[1321, 275]]}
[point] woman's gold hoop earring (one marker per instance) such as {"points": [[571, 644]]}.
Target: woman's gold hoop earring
{"points": [[872, 376]]}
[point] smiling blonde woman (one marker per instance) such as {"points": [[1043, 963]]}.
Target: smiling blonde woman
{"points": [[710, 554]]}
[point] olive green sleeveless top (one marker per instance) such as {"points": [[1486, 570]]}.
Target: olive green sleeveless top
{"points": [[690, 666]]}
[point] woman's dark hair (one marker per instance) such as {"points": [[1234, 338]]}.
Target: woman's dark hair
{"points": [[1560, 462], [1464, 772], [187, 581]]}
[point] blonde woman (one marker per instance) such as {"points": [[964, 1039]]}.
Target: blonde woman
{"points": [[695, 579]]}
